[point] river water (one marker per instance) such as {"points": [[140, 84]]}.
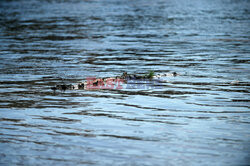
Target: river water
{"points": [[200, 117]]}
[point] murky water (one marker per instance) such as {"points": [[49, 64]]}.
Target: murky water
{"points": [[198, 118]]}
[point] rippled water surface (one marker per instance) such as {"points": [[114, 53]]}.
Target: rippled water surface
{"points": [[200, 117]]}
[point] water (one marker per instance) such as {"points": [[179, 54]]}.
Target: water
{"points": [[198, 118]]}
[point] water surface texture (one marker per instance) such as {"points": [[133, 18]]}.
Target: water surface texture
{"points": [[198, 118]]}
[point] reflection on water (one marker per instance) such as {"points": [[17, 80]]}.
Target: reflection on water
{"points": [[197, 118]]}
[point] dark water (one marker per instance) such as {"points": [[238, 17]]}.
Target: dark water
{"points": [[198, 118]]}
